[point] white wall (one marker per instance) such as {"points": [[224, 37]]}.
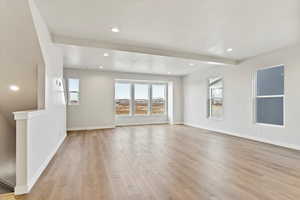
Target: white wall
{"points": [[7, 152], [96, 107], [20, 55], [238, 101], [40, 133]]}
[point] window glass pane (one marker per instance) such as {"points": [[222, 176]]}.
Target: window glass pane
{"points": [[122, 98], [141, 94], [269, 110], [73, 89], [73, 85], [158, 99], [73, 98], [270, 81], [215, 102]]}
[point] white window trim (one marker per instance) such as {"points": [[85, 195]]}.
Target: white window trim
{"points": [[130, 100], [255, 96], [132, 103], [209, 111], [166, 98], [68, 102], [149, 99]]}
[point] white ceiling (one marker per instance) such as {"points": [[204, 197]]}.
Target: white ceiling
{"points": [[206, 27], [93, 58]]}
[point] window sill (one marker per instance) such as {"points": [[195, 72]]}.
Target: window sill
{"points": [[215, 118], [154, 115], [270, 125], [73, 104]]}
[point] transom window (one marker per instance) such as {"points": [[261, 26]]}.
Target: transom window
{"points": [[140, 98]]}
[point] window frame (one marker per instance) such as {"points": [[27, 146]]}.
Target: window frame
{"points": [[209, 110], [166, 99], [132, 100], [69, 92], [149, 100], [255, 97]]}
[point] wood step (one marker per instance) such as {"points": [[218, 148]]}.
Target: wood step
{"points": [[11, 196], [8, 196]]}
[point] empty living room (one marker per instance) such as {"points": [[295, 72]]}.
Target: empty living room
{"points": [[149, 100]]}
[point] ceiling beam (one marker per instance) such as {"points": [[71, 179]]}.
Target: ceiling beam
{"points": [[134, 49]]}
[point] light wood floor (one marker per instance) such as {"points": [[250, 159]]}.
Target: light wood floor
{"points": [[168, 163]]}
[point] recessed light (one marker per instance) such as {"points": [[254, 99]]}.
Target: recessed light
{"points": [[192, 64], [101, 67], [229, 50], [169, 72], [14, 88], [105, 54], [115, 30]]}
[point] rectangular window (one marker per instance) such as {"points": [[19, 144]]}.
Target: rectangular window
{"points": [[141, 99], [158, 102], [215, 100], [270, 96], [73, 91], [123, 98]]}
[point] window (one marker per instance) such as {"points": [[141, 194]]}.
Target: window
{"points": [[215, 100], [122, 98], [140, 98], [270, 96], [158, 102], [73, 91]]}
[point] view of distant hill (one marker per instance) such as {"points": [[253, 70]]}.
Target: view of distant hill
{"points": [[141, 105]]}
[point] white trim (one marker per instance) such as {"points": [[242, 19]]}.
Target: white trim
{"points": [[269, 67], [209, 98], [150, 84], [24, 189], [219, 131], [21, 189], [216, 118], [68, 92], [177, 123], [270, 125], [144, 123], [25, 115], [255, 97], [141, 81], [91, 128], [270, 96]]}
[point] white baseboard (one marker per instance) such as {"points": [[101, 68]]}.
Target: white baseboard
{"points": [[91, 128], [21, 189], [177, 123], [140, 124], [24, 189], [285, 145]]}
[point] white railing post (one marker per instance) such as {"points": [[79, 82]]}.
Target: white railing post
{"points": [[21, 152]]}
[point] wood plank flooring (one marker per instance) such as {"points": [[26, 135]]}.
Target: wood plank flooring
{"points": [[165, 162]]}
